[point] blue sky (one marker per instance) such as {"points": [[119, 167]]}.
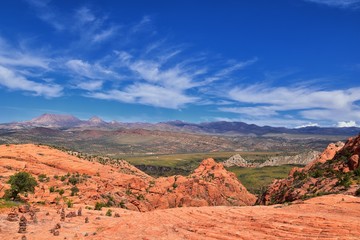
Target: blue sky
{"points": [[280, 63]]}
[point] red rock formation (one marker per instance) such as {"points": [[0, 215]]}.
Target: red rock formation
{"points": [[332, 172], [121, 185]]}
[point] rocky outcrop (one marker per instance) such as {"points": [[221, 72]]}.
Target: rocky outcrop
{"points": [[299, 159], [118, 184], [237, 160], [209, 185], [334, 171]]}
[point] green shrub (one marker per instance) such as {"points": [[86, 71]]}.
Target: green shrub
{"points": [[357, 172], [344, 180], [122, 204], [140, 197], [52, 189], [61, 192], [108, 213], [43, 178], [99, 205], [74, 190], [69, 203], [20, 182], [73, 180]]}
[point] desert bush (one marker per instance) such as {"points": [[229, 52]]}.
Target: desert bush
{"points": [[108, 213], [69, 203], [43, 178], [61, 192], [74, 190], [99, 205], [344, 180], [52, 189], [21, 182]]}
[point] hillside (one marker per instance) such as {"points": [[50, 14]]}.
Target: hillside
{"points": [[210, 203], [336, 170], [118, 183]]}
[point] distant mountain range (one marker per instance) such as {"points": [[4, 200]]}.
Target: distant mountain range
{"points": [[58, 121]]}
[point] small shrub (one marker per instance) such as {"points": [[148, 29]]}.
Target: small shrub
{"points": [[128, 192], [140, 197], [73, 180], [344, 181], [122, 204], [43, 178], [61, 192], [108, 213], [74, 190], [63, 178], [69, 203], [52, 189], [99, 205], [299, 175]]}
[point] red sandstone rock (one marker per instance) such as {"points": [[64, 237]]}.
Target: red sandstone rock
{"points": [[210, 184], [318, 177]]}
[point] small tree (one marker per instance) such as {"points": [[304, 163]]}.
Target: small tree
{"points": [[20, 182]]}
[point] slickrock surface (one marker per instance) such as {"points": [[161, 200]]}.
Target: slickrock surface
{"points": [[120, 184], [326, 217]]}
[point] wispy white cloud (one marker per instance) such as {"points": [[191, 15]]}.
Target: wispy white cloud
{"points": [[47, 14], [338, 3], [90, 85], [306, 102], [95, 71], [227, 71], [17, 57], [147, 94], [104, 34], [85, 15], [14, 81]]}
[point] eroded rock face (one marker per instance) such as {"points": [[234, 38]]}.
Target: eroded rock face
{"points": [[209, 185], [119, 185], [236, 160], [332, 172]]}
